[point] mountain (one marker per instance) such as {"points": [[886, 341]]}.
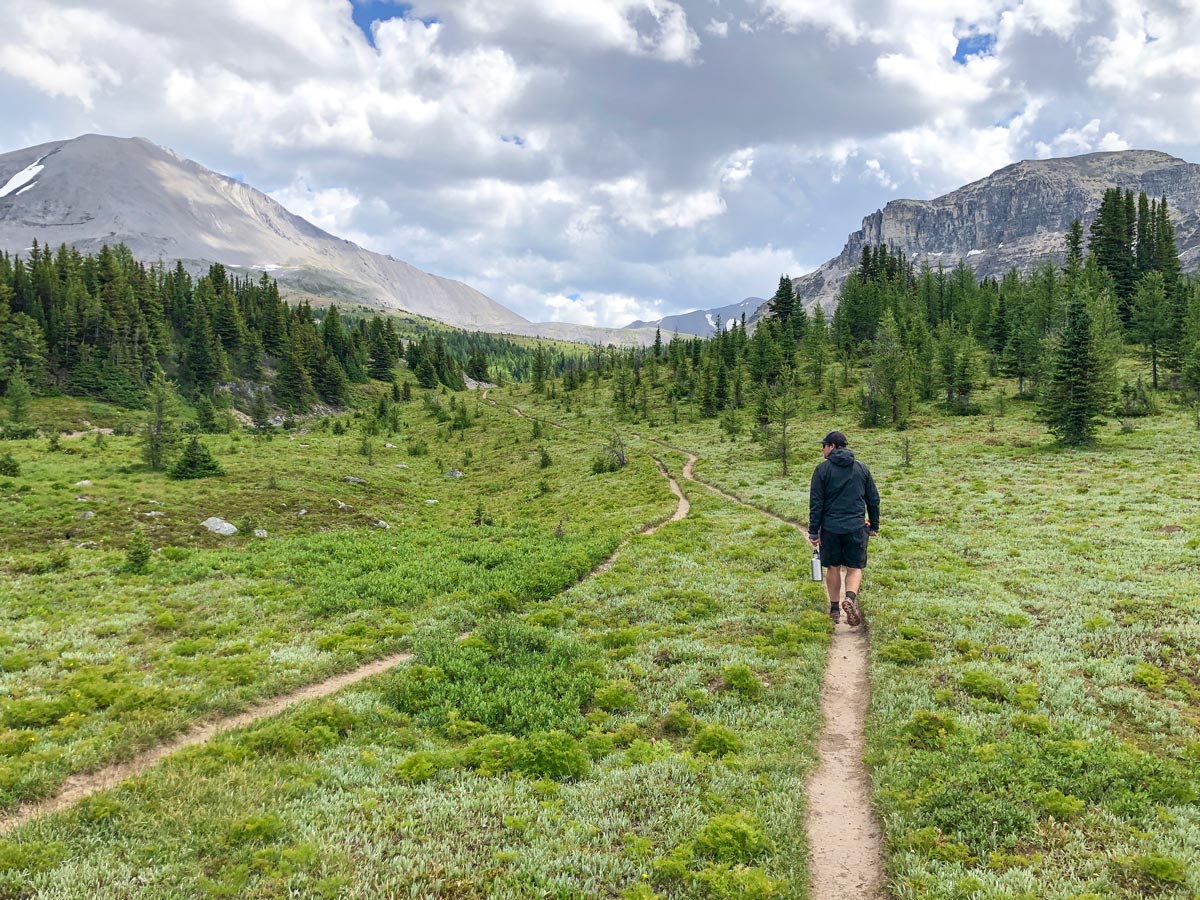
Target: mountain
{"points": [[701, 322], [1017, 216], [95, 190]]}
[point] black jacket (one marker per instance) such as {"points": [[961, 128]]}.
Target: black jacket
{"points": [[842, 491]]}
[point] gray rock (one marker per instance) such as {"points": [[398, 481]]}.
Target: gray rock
{"points": [[379, 523], [1017, 216], [350, 479], [303, 512], [341, 505], [83, 499], [87, 514], [154, 514], [84, 483], [390, 446], [260, 532], [219, 526]]}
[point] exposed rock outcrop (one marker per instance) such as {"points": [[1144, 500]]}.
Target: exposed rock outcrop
{"points": [[1016, 217]]}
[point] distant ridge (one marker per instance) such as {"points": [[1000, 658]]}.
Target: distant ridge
{"points": [[701, 322], [95, 190], [1016, 217]]}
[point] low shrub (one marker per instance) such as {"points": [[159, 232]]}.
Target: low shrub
{"points": [[905, 651], [716, 740], [732, 838], [552, 754], [985, 685], [742, 679], [929, 730]]}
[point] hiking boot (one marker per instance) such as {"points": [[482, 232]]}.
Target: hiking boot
{"points": [[835, 612], [854, 616]]}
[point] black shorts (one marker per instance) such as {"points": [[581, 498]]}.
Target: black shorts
{"points": [[844, 549]]}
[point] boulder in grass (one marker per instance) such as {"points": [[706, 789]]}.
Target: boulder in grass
{"points": [[218, 525], [260, 532], [350, 479]]}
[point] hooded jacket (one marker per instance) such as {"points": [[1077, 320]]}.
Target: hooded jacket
{"points": [[841, 495]]}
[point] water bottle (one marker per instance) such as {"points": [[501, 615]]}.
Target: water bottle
{"points": [[816, 565]]}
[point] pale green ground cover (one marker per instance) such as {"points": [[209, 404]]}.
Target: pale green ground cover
{"points": [[97, 662], [681, 690], [1035, 719]]}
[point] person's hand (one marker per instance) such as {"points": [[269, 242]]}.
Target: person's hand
{"points": [[814, 542], [872, 534]]}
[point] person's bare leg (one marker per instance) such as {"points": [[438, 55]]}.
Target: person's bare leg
{"points": [[833, 588], [853, 580], [850, 604]]}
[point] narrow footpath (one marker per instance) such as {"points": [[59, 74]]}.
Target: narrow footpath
{"points": [[82, 785], [844, 837]]}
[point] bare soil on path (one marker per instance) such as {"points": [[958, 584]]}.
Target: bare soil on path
{"points": [[845, 840], [82, 785]]}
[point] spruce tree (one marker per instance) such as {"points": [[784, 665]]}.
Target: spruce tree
{"points": [[293, 388], [1152, 323], [159, 436], [1071, 397], [196, 462], [17, 394], [783, 304]]}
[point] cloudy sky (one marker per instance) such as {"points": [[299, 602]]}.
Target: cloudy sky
{"points": [[597, 161]]}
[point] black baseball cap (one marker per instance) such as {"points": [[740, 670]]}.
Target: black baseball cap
{"points": [[836, 438]]}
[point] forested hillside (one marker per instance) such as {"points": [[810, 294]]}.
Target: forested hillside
{"points": [[104, 325]]}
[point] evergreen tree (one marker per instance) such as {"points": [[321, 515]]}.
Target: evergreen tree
{"points": [[783, 304], [1112, 245], [1071, 399], [477, 365], [783, 406], [382, 359], [540, 367], [159, 435], [17, 394], [330, 381], [890, 371], [196, 462], [1152, 323], [260, 412], [204, 364], [293, 388]]}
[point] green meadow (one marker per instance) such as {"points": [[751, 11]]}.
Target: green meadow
{"points": [[1034, 726]]}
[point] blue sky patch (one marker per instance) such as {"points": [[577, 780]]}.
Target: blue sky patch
{"points": [[513, 139], [367, 11], [974, 45]]}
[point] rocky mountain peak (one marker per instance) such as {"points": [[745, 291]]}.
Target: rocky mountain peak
{"points": [[1016, 217]]}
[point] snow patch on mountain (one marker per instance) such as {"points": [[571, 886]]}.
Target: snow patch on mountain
{"points": [[26, 175]]}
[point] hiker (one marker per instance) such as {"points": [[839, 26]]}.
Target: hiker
{"points": [[843, 511]]}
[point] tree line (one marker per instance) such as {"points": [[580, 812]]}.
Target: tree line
{"points": [[104, 325], [903, 334]]}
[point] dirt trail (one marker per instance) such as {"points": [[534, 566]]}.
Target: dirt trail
{"points": [[845, 841], [82, 785], [681, 510]]}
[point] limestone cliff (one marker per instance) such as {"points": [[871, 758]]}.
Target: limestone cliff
{"points": [[1017, 216]]}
